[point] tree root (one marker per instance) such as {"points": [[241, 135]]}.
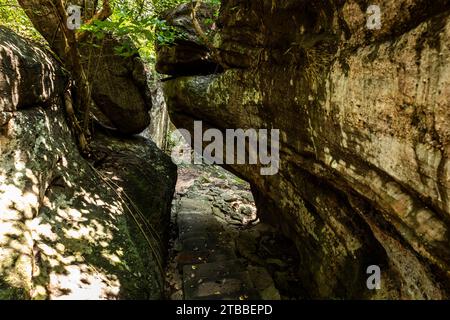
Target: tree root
{"points": [[79, 133]]}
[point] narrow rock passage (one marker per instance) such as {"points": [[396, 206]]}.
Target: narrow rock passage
{"points": [[216, 240], [208, 260]]}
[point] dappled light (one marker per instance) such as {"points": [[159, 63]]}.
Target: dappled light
{"points": [[28, 75], [224, 149], [60, 225]]}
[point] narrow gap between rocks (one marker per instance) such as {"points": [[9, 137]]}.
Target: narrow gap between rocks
{"points": [[219, 249]]}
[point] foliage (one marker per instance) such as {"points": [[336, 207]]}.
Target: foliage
{"points": [[139, 31], [162, 5], [137, 22], [13, 16]]}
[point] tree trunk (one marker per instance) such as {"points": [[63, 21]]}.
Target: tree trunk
{"points": [[50, 19]]}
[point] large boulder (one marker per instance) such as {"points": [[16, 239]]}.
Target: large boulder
{"points": [[71, 229], [365, 138], [120, 91]]}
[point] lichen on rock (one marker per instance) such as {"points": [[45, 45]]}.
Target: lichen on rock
{"points": [[364, 120]]}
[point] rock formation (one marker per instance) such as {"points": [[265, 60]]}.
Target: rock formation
{"points": [[188, 55], [70, 228], [121, 95], [365, 138]]}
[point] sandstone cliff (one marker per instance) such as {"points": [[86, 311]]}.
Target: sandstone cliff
{"points": [[365, 141]]}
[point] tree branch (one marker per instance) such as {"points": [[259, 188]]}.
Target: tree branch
{"points": [[198, 29], [102, 15]]}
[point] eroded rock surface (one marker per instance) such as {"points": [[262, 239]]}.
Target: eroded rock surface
{"points": [[21, 74], [365, 141], [71, 229]]}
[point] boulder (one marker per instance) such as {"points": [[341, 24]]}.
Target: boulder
{"points": [[121, 94], [21, 74], [364, 136], [70, 228]]}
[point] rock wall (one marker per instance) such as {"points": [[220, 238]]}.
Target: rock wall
{"points": [[365, 141], [70, 228]]}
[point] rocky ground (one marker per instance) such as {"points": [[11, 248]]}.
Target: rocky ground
{"points": [[219, 248]]}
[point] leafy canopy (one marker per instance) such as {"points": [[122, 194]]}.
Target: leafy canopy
{"points": [[137, 22], [14, 17]]}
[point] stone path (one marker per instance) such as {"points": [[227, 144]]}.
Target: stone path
{"points": [[210, 267], [214, 239]]}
